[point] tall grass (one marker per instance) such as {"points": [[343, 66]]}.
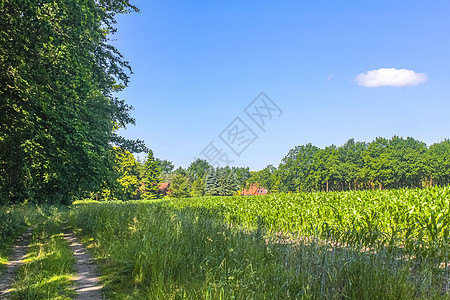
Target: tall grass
{"points": [[185, 250]]}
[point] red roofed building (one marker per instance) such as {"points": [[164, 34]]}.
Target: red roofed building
{"points": [[254, 189], [164, 188]]}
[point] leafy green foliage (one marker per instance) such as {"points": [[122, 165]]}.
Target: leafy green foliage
{"points": [[128, 171], [382, 164], [58, 115], [437, 163], [180, 187], [198, 188], [266, 178], [165, 166], [198, 169], [12, 223]]}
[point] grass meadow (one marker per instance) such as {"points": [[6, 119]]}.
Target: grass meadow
{"points": [[351, 245]]}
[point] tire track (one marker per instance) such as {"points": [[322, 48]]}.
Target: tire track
{"points": [[88, 282], [18, 256]]}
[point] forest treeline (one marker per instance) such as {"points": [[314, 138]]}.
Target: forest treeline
{"points": [[381, 164]]}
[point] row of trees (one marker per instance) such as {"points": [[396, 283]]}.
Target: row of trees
{"points": [[58, 113], [382, 163]]}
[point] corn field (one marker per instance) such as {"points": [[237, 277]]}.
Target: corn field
{"points": [[416, 220]]}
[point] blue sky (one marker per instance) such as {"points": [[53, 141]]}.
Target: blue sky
{"points": [[198, 64]]}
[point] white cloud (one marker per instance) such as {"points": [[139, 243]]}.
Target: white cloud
{"points": [[390, 77]]}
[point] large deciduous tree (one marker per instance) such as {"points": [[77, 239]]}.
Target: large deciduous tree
{"points": [[265, 177], [198, 169], [165, 166], [58, 112]]}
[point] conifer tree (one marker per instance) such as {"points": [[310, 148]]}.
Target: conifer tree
{"points": [[227, 181], [211, 184], [221, 174], [232, 184], [152, 177], [221, 182]]}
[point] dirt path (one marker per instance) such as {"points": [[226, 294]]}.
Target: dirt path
{"points": [[18, 255], [88, 283]]}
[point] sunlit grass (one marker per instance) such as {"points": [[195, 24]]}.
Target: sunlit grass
{"points": [[15, 219], [12, 224], [48, 269]]}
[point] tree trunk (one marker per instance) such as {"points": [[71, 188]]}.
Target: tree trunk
{"points": [[327, 185]]}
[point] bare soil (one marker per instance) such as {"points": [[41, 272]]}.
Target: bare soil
{"points": [[88, 284], [17, 258]]}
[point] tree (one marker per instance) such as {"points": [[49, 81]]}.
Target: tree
{"points": [[379, 163], [231, 184], [198, 188], [165, 166], [152, 178], [438, 163], [221, 182], [295, 168], [198, 169], [350, 163], [408, 159], [266, 178], [211, 183], [181, 171], [58, 113], [382, 164], [242, 174], [180, 187], [128, 171], [324, 174]]}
